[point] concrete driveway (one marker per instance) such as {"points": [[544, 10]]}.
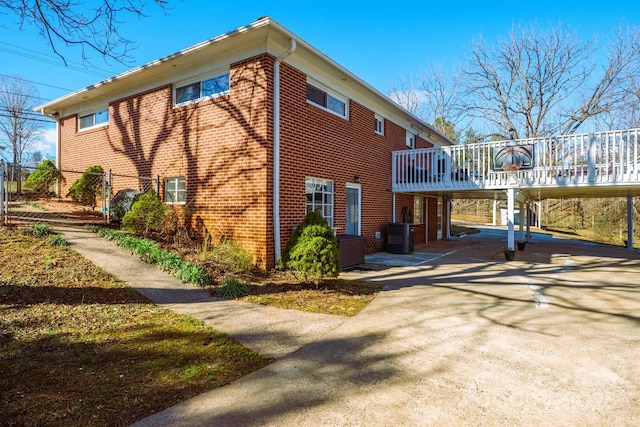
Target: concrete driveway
{"points": [[462, 338]]}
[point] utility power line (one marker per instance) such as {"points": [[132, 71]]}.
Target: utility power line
{"points": [[36, 83], [27, 118], [50, 59]]}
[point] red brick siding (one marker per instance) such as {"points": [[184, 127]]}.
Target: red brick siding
{"points": [[224, 149], [222, 146], [317, 143]]}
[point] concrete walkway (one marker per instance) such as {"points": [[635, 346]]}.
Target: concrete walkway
{"points": [[460, 337], [272, 332]]}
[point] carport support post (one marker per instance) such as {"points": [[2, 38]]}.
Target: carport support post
{"points": [[630, 222], [511, 195]]}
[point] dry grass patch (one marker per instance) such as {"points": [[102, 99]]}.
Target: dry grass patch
{"points": [[79, 348], [332, 296]]}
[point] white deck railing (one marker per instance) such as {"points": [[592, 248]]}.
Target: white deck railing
{"points": [[579, 160]]}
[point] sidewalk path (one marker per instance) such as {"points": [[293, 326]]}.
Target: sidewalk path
{"points": [[272, 332]]}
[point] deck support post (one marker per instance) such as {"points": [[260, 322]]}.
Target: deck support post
{"points": [[495, 213], [511, 196], [630, 222]]}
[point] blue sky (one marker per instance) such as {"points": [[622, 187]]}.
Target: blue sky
{"points": [[377, 43]]}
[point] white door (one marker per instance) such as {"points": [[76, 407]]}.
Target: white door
{"points": [[353, 209]]}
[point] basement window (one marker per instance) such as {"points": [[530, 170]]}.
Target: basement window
{"points": [[175, 190]]}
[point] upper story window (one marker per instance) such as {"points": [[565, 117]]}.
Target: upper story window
{"points": [[411, 140], [96, 118], [209, 87], [379, 121], [326, 100]]}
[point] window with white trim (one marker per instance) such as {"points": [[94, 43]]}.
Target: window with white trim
{"points": [[379, 121], [411, 140], [326, 100], [319, 194], [95, 118], [175, 190], [202, 89]]}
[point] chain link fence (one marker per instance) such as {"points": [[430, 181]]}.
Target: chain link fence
{"points": [[46, 194]]}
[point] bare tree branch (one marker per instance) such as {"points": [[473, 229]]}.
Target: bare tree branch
{"points": [[522, 82], [404, 94], [442, 97], [18, 123], [75, 23]]}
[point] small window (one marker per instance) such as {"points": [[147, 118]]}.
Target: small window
{"points": [[326, 100], [411, 140], [214, 86], [175, 190], [319, 194], [94, 119], [379, 122]]}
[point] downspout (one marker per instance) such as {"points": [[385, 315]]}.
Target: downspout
{"points": [[276, 148]]}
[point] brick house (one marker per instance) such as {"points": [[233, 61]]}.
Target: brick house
{"points": [[249, 130]]}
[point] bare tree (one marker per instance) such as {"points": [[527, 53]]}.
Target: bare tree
{"points": [[442, 100], [18, 123], [545, 82], [611, 92], [74, 23], [404, 94]]}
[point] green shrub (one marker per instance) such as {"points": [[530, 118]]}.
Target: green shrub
{"points": [[188, 272], [312, 218], [42, 179], [86, 189], [234, 288], [228, 256], [315, 253], [151, 252], [38, 230], [57, 240], [146, 215]]}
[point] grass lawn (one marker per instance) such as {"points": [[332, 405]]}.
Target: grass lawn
{"points": [[78, 348]]}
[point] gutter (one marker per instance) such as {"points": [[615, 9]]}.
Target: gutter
{"points": [[276, 148]]}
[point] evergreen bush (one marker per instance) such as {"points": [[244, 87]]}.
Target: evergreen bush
{"points": [[312, 218], [87, 188], [146, 215], [42, 179], [314, 254]]}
